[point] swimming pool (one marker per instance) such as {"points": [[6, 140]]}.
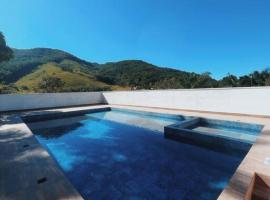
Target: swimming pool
{"points": [[117, 155]]}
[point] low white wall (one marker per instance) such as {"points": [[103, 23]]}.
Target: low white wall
{"points": [[254, 101], [10, 102]]}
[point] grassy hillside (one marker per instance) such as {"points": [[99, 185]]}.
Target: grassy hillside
{"points": [[75, 80], [28, 69], [27, 60]]}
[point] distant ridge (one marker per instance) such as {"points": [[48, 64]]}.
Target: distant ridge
{"points": [[53, 70]]}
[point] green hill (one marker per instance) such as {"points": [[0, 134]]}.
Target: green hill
{"points": [[52, 70], [28, 69], [142, 75], [32, 70], [71, 80], [27, 60]]}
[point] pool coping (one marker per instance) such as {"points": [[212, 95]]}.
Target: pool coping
{"points": [[13, 129]]}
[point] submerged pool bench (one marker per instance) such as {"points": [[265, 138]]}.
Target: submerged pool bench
{"points": [[225, 136]]}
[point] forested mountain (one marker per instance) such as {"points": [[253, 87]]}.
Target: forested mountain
{"points": [[52, 70], [142, 75]]}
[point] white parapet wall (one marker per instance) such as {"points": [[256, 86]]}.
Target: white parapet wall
{"points": [[9, 102], [250, 101]]}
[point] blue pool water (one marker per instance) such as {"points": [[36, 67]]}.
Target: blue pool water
{"points": [[152, 121], [105, 156]]}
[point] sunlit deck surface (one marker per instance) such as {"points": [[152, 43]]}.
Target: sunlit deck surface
{"points": [[28, 172]]}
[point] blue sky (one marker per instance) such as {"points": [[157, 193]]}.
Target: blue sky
{"points": [[218, 36]]}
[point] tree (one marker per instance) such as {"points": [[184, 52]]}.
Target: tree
{"points": [[5, 52], [50, 84], [267, 82], [229, 81], [245, 81], [205, 81]]}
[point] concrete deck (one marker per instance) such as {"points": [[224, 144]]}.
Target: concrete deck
{"points": [[22, 170], [26, 169]]}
